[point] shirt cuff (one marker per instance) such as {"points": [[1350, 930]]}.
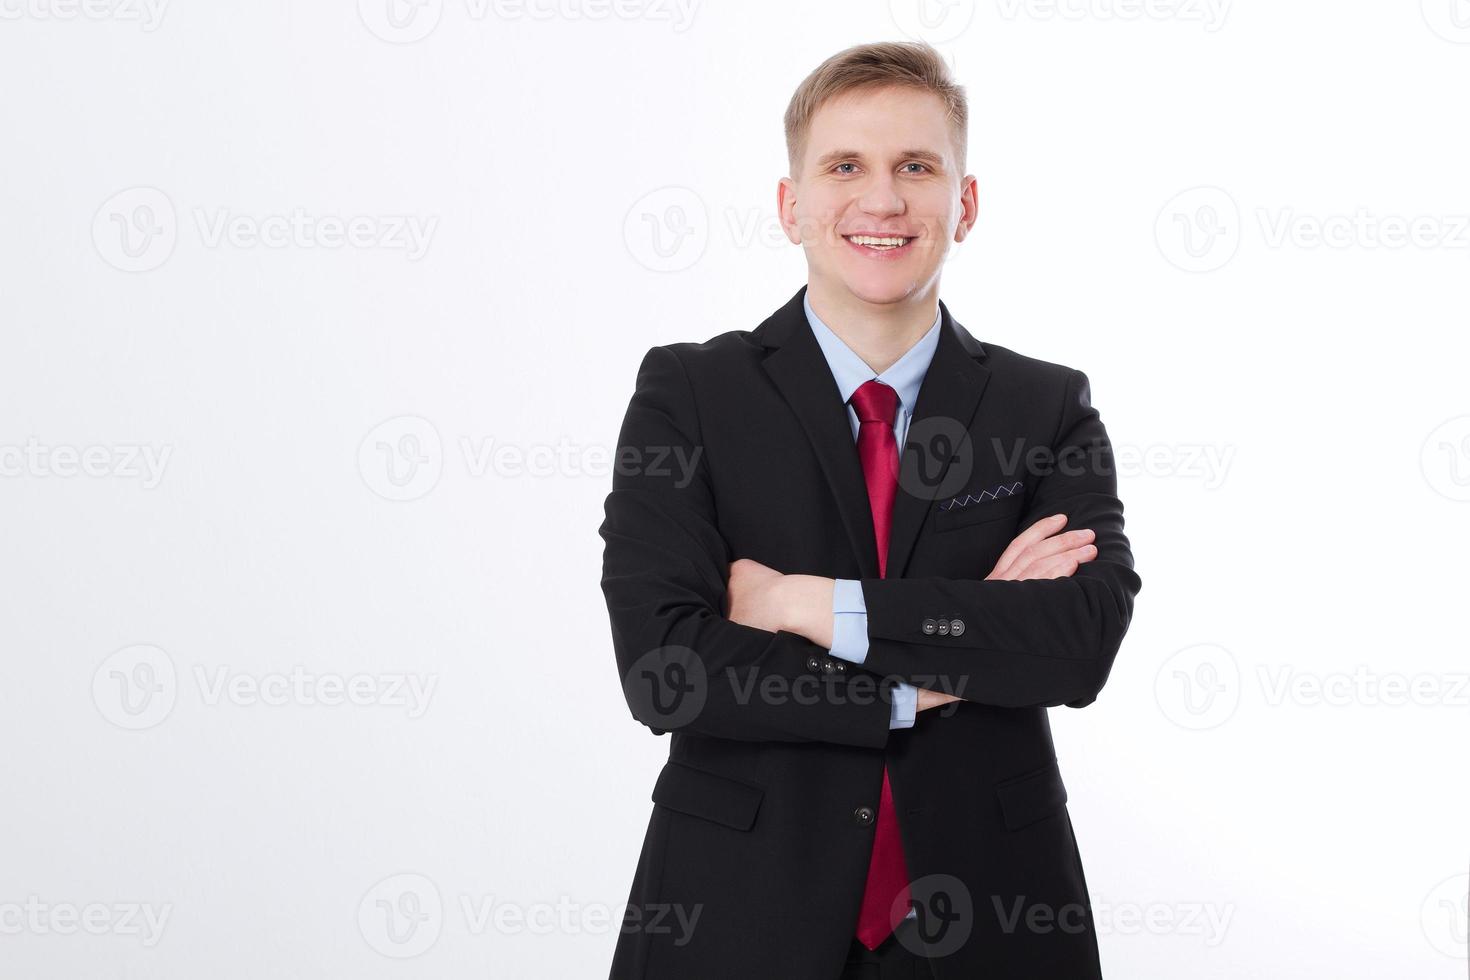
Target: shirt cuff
{"points": [[905, 706], [849, 621]]}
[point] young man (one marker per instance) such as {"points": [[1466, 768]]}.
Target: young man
{"points": [[854, 648]]}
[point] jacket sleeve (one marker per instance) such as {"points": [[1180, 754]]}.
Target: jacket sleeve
{"points": [[665, 570], [1043, 642]]}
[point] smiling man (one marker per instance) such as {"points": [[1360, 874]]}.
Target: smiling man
{"points": [[898, 547]]}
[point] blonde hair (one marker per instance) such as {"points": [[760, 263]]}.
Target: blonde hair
{"points": [[915, 64]]}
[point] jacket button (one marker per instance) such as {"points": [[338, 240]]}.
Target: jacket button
{"points": [[842, 666], [956, 627], [943, 627], [863, 816], [829, 666], [813, 663], [928, 626]]}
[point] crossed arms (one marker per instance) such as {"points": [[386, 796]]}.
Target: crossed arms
{"points": [[1041, 630]]}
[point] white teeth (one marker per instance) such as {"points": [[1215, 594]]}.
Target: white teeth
{"points": [[871, 240]]}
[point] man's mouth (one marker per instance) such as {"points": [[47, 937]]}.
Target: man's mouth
{"points": [[879, 243]]}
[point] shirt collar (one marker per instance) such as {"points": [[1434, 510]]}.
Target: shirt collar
{"points": [[850, 371]]}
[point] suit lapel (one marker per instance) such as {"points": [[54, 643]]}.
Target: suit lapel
{"points": [[946, 405], [800, 371], [938, 454]]}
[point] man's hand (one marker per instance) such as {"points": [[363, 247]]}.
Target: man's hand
{"points": [[1043, 551], [760, 596], [1040, 551], [932, 699]]}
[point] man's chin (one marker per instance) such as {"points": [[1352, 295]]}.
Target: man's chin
{"points": [[880, 291]]}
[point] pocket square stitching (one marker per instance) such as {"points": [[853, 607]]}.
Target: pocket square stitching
{"points": [[997, 493]]}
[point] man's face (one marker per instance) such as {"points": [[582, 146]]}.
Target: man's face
{"points": [[878, 163]]}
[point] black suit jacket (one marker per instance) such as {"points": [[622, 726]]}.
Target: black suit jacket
{"points": [[758, 845]]}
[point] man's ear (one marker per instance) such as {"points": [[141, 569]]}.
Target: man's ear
{"points": [[786, 208], [969, 205]]}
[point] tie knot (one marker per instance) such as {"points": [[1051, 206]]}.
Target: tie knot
{"points": [[875, 401]]}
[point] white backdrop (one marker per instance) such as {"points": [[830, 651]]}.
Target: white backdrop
{"points": [[319, 321]]}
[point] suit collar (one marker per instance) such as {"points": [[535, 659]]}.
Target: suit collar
{"points": [[777, 329], [904, 375], [937, 435]]}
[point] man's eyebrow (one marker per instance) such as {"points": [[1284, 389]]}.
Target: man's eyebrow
{"points": [[927, 156]]}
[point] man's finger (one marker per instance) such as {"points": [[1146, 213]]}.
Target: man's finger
{"points": [[1036, 532], [1032, 565], [1058, 543], [1044, 548], [1063, 565]]}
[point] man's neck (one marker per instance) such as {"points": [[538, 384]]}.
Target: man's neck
{"points": [[879, 334]]}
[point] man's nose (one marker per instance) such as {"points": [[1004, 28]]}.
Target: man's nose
{"points": [[881, 196]]}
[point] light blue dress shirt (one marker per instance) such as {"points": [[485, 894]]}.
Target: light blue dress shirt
{"points": [[849, 610]]}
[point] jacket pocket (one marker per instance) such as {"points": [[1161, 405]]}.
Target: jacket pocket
{"points": [[709, 795], [960, 514], [1032, 796]]}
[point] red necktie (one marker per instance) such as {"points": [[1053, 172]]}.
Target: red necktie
{"points": [[888, 878]]}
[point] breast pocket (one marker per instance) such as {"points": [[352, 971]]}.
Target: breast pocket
{"points": [[982, 507]]}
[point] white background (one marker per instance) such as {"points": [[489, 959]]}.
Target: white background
{"points": [[1203, 206]]}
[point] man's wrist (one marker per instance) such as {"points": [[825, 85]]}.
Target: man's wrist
{"points": [[807, 607]]}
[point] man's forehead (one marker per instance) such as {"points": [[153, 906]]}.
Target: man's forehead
{"points": [[888, 119]]}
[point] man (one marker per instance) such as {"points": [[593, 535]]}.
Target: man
{"points": [[854, 648]]}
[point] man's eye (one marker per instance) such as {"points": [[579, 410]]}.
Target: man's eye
{"points": [[919, 165], [841, 165]]}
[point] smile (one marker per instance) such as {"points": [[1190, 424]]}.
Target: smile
{"points": [[878, 244]]}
